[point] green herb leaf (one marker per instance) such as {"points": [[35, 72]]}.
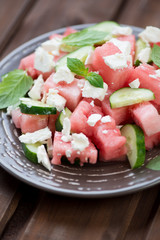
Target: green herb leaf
{"points": [[14, 85], [154, 164], [95, 79], [155, 55], [76, 66], [84, 38]]}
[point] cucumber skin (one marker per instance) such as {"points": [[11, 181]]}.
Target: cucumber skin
{"points": [[36, 110], [140, 144], [30, 156]]}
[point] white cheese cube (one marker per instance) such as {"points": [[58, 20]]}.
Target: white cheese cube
{"points": [[150, 34], [144, 55], [93, 119], [56, 100], [79, 141], [53, 46], [89, 58], [90, 91], [63, 74], [124, 46], [43, 60], [43, 157], [135, 83], [66, 137], [37, 136], [118, 30], [106, 119], [116, 61], [36, 90]]}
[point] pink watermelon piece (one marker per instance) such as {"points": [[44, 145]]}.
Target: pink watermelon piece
{"points": [[132, 40], [27, 63], [32, 123], [16, 117], [114, 78], [71, 92], [80, 116], [143, 73], [68, 31], [120, 115], [110, 143], [60, 147], [146, 116], [152, 141], [51, 122]]}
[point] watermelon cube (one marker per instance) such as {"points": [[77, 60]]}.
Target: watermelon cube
{"points": [[146, 116], [31, 123], [152, 141], [51, 122], [114, 78], [80, 116], [148, 79], [132, 40], [61, 148], [71, 92]]}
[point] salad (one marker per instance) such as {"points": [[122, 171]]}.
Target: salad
{"points": [[87, 96]]}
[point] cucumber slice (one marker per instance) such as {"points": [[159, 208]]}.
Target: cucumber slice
{"points": [[29, 106], [140, 45], [59, 121], [80, 53], [30, 151], [129, 96], [135, 144], [106, 26]]}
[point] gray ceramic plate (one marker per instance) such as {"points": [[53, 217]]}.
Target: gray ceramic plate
{"points": [[100, 180]]}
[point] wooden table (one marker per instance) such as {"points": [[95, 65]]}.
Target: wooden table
{"points": [[28, 213]]}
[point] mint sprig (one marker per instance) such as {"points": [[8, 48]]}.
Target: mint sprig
{"points": [[155, 55], [14, 85], [78, 67], [84, 37], [154, 164]]}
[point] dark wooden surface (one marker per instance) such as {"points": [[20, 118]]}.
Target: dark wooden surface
{"points": [[28, 213]]}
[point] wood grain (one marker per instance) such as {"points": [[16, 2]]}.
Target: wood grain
{"points": [[11, 16], [9, 198], [56, 14]]}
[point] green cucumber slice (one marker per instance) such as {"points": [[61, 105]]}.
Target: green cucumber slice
{"points": [[59, 121], [80, 53], [30, 151], [140, 45], [129, 96], [29, 106], [106, 26], [135, 144]]}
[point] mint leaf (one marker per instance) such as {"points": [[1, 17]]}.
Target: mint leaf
{"points": [[95, 79], [76, 66], [155, 55], [14, 85], [84, 37], [154, 164]]}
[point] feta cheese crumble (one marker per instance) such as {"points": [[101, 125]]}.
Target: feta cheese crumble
{"points": [[135, 83], [93, 119], [43, 60], [79, 141], [68, 153], [150, 34], [116, 61], [144, 55], [118, 31], [92, 103], [105, 131], [156, 75], [124, 46], [63, 74], [55, 100], [37, 136], [36, 90], [43, 157], [66, 137], [106, 119], [53, 46], [90, 91], [89, 58]]}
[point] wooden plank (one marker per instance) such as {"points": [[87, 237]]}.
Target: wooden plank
{"points": [[140, 13], [11, 16], [55, 14], [68, 218], [9, 198], [154, 230]]}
